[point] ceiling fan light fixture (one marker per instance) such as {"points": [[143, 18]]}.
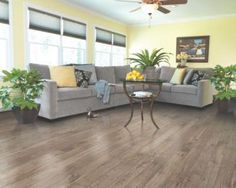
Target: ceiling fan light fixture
{"points": [[149, 8]]}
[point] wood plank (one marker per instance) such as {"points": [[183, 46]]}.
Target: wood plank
{"points": [[193, 148]]}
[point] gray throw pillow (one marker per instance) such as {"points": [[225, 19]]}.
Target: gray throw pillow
{"points": [[188, 76], [167, 73], [42, 69]]}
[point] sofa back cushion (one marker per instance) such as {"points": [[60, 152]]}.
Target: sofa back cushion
{"points": [[106, 73], [158, 72], [42, 69], [167, 73], [188, 76], [207, 71], [120, 72]]}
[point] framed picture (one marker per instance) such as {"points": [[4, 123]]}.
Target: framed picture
{"points": [[196, 47]]}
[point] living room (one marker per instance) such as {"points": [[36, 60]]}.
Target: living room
{"points": [[184, 138]]}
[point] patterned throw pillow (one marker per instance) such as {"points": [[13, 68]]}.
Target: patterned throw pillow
{"points": [[82, 78], [197, 76]]}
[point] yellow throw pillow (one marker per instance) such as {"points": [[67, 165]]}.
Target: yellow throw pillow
{"points": [[64, 76], [178, 76]]}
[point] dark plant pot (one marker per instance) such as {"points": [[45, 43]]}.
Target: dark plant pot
{"points": [[26, 116], [223, 106]]}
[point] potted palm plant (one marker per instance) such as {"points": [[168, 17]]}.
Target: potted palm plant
{"points": [[22, 89], [222, 79], [148, 61]]}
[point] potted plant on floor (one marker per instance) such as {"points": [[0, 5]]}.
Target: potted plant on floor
{"points": [[21, 90], [148, 61], [222, 79]]}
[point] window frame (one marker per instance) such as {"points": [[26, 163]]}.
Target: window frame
{"points": [[10, 50], [111, 53], [61, 15]]}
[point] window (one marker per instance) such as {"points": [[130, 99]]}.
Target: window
{"points": [[110, 48], [4, 35], [54, 40], [74, 42]]}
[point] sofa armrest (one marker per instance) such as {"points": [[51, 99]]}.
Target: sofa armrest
{"points": [[48, 100], [205, 92]]}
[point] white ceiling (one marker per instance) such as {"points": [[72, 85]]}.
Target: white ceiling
{"points": [[193, 10]]}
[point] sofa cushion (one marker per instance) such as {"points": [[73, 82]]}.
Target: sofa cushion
{"points": [[74, 93], [158, 72], [42, 69], [207, 71], [120, 72], [166, 87], [120, 89], [90, 68], [106, 73], [167, 73], [189, 89], [94, 91]]}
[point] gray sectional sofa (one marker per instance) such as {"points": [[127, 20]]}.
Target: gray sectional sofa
{"points": [[186, 94], [61, 102]]}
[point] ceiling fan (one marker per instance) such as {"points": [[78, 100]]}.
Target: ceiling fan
{"points": [[150, 6]]}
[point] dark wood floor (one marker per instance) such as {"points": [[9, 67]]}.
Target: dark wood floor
{"points": [[193, 148]]}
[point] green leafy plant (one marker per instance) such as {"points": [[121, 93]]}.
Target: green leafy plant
{"points": [[23, 87], [145, 59], [222, 79]]}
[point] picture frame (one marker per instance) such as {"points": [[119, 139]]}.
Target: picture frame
{"points": [[197, 48]]}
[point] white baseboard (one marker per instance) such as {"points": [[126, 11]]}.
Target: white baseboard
{"points": [[2, 110]]}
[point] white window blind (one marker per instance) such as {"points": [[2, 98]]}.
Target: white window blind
{"points": [[44, 21], [103, 36], [119, 40], [74, 29], [4, 11], [108, 37]]}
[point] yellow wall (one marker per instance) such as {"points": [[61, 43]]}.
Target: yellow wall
{"points": [[57, 6], [222, 39], [222, 32]]}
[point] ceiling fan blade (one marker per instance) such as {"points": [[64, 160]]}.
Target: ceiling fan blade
{"points": [[135, 9], [163, 10], [129, 1], [173, 2]]}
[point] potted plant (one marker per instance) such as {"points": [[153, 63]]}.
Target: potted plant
{"points": [[23, 88], [222, 79], [147, 61]]}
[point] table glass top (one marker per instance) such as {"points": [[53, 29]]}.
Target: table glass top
{"points": [[144, 81]]}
